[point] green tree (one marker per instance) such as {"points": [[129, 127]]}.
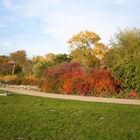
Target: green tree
{"points": [[61, 58], [85, 57], [39, 68], [123, 57]]}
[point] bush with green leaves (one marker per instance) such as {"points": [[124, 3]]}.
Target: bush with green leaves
{"points": [[124, 58], [39, 68]]}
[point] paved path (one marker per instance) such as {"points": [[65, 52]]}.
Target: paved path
{"points": [[74, 97]]}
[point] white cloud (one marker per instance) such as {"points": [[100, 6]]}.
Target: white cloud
{"points": [[8, 4], [30, 8], [61, 19]]}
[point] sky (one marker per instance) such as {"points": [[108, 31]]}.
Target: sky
{"points": [[43, 26]]}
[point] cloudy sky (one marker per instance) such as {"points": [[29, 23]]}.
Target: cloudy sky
{"points": [[44, 26]]}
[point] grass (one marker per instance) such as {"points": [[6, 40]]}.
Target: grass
{"points": [[2, 92], [37, 118], [5, 93]]}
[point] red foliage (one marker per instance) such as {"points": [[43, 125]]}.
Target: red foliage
{"points": [[73, 79], [74, 83], [97, 81], [53, 77], [102, 80], [133, 94], [57, 71]]}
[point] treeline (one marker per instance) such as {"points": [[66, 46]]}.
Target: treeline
{"points": [[91, 68]]}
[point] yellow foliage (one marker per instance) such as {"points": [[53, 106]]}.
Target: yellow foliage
{"points": [[8, 77], [50, 57], [87, 39]]}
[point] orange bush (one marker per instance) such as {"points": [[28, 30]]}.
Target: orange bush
{"points": [[102, 80], [54, 76], [97, 81], [74, 79]]}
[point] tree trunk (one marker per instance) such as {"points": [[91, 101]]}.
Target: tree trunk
{"points": [[13, 70]]}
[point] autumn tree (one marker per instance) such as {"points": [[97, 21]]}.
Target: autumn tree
{"points": [[19, 59], [87, 39], [5, 67], [87, 49], [50, 57], [4, 58], [38, 59]]}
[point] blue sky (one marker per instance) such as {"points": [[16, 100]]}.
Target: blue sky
{"points": [[43, 26]]}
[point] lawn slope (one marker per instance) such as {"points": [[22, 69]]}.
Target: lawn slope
{"points": [[28, 117]]}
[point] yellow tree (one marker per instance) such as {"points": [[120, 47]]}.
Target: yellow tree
{"points": [[50, 57], [38, 59], [88, 40]]}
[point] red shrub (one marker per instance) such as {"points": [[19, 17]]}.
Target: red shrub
{"points": [[53, 77], [73, 79], [57, 71], [75, 83], [102, 80], [94, 82]]}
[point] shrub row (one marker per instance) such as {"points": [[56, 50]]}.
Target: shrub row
{"points": [[74, 79]]}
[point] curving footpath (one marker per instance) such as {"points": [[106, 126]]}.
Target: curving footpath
{"points": [[74, 97]]}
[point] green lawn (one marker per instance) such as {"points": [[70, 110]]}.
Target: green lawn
{"points": [[37, 118]]}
